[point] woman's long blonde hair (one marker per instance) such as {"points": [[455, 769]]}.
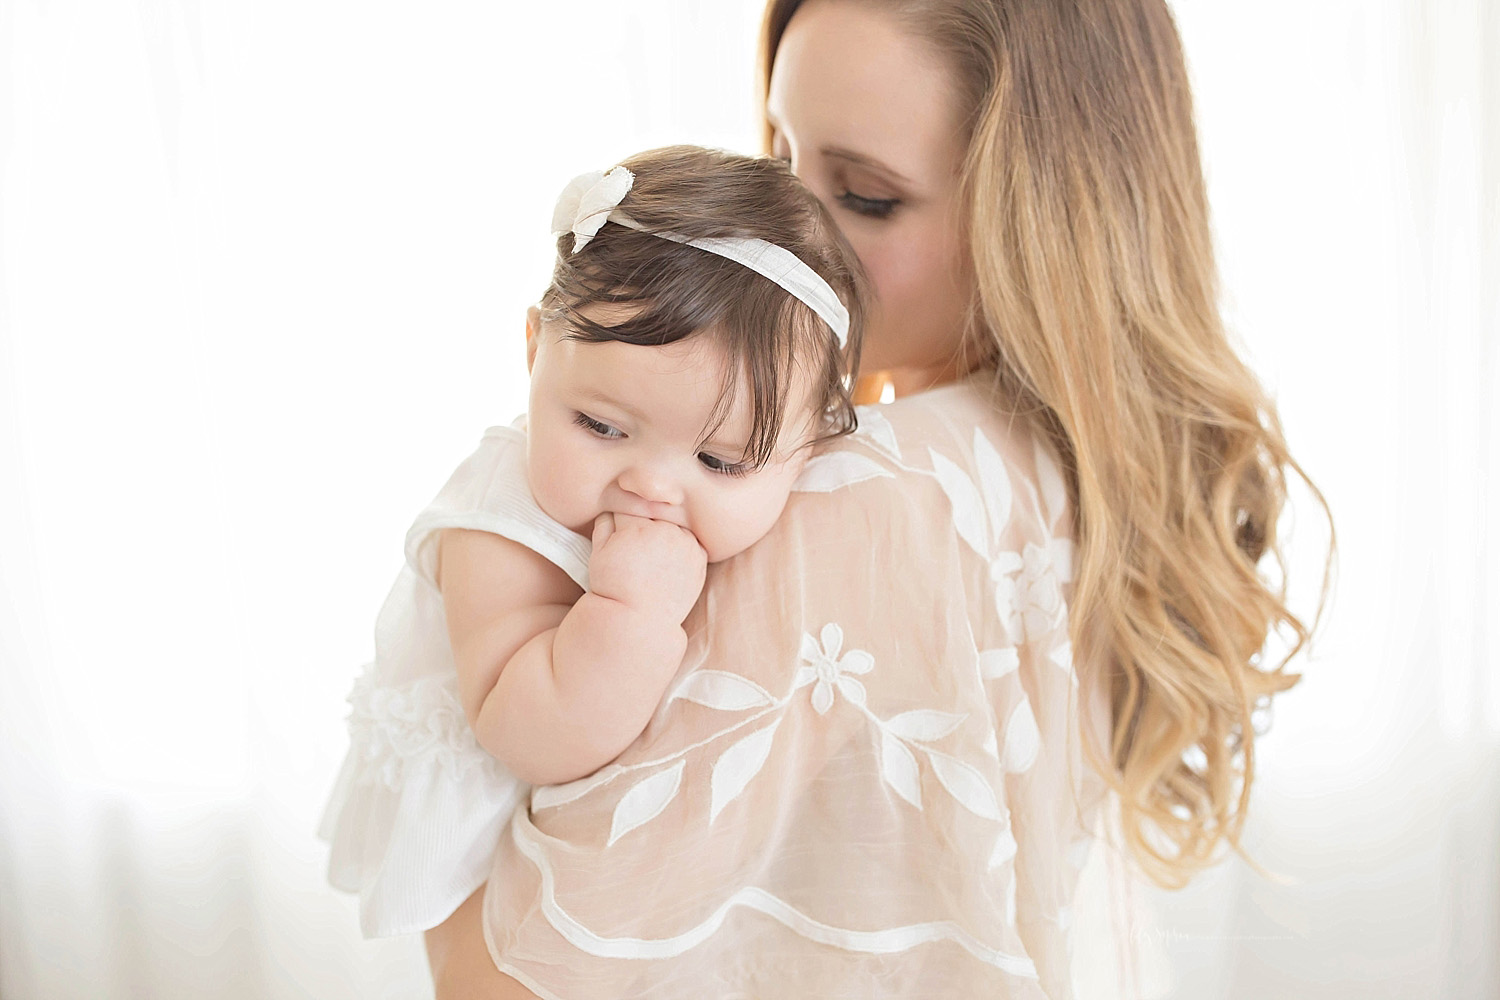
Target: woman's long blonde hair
{"points": [[1097, 309]]}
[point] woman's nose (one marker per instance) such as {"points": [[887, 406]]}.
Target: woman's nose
{"points": [[652, 482]]}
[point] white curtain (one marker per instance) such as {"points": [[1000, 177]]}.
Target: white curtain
{"points": [[1353, 153], [262, 271]]}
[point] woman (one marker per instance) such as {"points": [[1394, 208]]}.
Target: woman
{"points": [[1021, 181]]}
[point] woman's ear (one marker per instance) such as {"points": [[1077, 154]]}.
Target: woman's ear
{"points": [[533, 335]]}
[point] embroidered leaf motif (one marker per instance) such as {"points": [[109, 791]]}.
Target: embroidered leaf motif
{"points": [[1050, 482], [924, 725], [994, 483], [966, 785], [835, 470], [899, 768], [1061, 551], [996, 663], [1022, 739], [1062, 656], [723, 690], [968, 508], [548, 796], [645, 801], [1005, 848], [736, 766], [874, 427]]}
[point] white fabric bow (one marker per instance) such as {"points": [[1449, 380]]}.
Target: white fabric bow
{"points": [[585, 204]]}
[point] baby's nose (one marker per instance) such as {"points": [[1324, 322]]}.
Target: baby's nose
{"points": [[652, 483]]}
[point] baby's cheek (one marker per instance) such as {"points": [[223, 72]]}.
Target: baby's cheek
{"points": [[559, 495], [739, 525]]}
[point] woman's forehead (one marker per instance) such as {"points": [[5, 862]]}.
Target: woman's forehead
{"points": [[855, 79]]}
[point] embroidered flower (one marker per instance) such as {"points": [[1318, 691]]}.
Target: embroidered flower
{"points": [[822, 666], [1028, 588]]}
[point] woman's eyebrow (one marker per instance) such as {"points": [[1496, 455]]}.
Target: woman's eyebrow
{"points": [[839, 153]]}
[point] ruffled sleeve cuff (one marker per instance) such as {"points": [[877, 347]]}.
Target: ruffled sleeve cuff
{"points": [[416, 809]]}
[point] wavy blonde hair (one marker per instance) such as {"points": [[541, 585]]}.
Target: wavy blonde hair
{"points": [[1097, 309]]}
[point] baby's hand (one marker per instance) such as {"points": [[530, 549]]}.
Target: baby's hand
{"points": [[653, 566]]}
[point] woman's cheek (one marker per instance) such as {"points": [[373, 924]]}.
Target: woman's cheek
{"points": [[900, 328], [884, 315]]}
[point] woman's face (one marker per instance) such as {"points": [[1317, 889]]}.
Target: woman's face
{"points": [[866, 113]]}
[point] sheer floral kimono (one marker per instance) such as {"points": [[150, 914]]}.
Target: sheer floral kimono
{"points": [[866, 779]]}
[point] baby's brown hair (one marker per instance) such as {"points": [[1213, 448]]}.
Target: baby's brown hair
{"points": [[766, 331]]}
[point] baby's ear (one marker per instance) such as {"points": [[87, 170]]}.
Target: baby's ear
{"points": [[533, 335]]}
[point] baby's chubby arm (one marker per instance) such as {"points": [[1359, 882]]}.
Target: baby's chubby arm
{"points": [[556, 683]]}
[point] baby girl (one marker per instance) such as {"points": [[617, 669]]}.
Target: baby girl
{"points": [[684, 361], [696, 342]]}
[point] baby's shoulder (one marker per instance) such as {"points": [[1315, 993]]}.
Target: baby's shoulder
{"points": [[488, 493]]}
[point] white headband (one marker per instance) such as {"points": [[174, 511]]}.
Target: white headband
{"points": [[592, 199]]}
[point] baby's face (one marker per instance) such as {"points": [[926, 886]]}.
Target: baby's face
{"points": [[620, 428]]}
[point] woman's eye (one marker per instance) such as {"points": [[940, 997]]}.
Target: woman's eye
{"points": [[875, 208], [598, 427], [716, 464]]}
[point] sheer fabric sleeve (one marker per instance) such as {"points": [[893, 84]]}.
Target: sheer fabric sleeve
{"points": [[866, 778], [418, 806]]}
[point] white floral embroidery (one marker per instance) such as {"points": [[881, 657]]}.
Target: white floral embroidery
{"points": [[1023, 741], [645, 801], [823, 667], [1005, 848], [1028, 584], [417, 724], [1028, 588], [835, 470], [728, 692], [736, 766], [981, 512], [877, 430], [997, 663]]}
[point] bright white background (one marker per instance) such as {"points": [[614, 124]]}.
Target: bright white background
{"points": [[262, 274]]}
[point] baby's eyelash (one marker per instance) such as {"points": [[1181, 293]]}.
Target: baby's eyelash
{"points": [[598, 427], [875, 208], [715, 464]]}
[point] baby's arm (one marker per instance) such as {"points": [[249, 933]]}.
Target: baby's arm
{"points": [[556, 683]]}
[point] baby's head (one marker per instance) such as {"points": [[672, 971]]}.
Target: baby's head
{"points": [[678, 384]]}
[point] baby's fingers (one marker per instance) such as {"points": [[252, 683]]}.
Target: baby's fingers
{"points": [[604, 526]]}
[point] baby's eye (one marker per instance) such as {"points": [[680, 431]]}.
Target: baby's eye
{"points": [[598, 427], [716, 464], [875, 208]]}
